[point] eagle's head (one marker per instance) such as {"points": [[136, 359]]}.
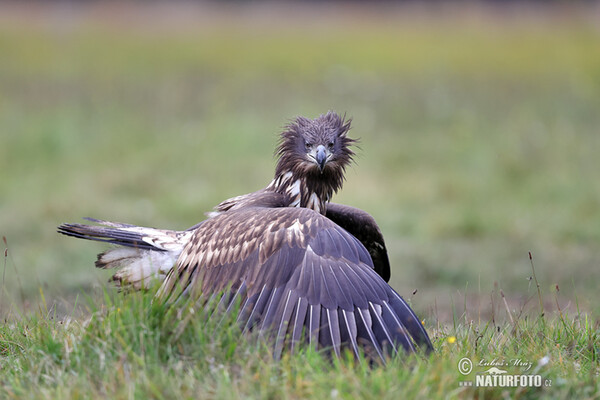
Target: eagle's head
{"points": [[316, 152], [315, 146]]}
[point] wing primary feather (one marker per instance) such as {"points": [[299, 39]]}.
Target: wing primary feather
{"points": [[351, 246], [412, 323], [400, 329], [326, 298], [241, 290], [284, 324], [346, 303], [245, 311], [333, 249], [376, 313], [258, 304], [334, 330], [314, 326], [300, 317], [376, 283], [369, 288], [243, 315], [268, 315], [350, 322], [315, 289], [365, 318], [225, 301], [325, 341], [361, 293]]}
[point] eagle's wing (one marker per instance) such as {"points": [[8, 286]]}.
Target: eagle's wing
{"points": [[299, 277], [363, 227]]}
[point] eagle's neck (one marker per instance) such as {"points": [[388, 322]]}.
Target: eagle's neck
{"points": [[307, 192]]}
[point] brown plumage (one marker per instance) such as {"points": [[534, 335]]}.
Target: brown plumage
{"points": [[302, 269]]}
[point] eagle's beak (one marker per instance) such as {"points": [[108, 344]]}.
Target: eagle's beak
{"points": [[321, 157]]}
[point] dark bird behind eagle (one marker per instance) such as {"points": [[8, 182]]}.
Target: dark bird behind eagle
{"points": [[301, 268]]}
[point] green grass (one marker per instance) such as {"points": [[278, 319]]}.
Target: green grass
{"points": [[127, 349], [479, 143]]}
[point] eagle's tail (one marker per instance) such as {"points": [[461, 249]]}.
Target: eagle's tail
{"points": [[146, 255]]}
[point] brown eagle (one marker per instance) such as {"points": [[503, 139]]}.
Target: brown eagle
{"points": [[300, 268]]}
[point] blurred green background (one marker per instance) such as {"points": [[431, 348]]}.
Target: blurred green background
{"points": [[479, 127]]}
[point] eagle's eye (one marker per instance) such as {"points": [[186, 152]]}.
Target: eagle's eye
{"points": [[308, 146], [330, 145]]}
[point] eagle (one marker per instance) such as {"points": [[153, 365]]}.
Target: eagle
{"points": [[301, 269]]}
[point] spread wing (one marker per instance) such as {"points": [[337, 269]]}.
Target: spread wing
{"points": [[298, 277], [363, 227]]}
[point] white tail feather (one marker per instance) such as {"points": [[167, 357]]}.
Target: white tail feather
{"points": [[139, 269], [117, 257]]}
